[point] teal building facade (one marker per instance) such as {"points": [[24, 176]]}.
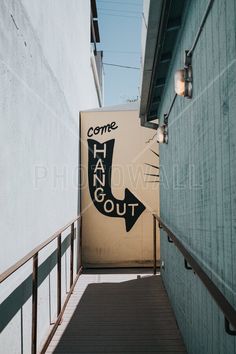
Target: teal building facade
{"points": [[197, 165]]}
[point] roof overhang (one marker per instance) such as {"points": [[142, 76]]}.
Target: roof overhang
{"points": [[164, 22], [95, 36]]}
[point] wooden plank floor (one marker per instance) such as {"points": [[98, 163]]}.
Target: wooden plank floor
{"points": [[120, 314]]}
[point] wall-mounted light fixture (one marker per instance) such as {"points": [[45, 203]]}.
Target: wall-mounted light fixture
{"points": [[184, 78], [162, 131]]}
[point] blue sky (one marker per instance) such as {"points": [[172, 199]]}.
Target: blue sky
{"points": [[120, 32]]}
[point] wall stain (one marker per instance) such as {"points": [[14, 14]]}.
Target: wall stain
{"points": [[148, 141]]}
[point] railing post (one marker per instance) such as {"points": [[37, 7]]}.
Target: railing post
{"points": [[78, 242], [72, 254], [34, 304], [58, 275], [154, 246]]}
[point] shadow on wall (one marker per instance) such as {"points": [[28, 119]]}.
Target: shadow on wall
{"points": [[129, 317], [14, 302]]}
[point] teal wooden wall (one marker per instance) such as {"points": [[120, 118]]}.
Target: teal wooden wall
{"points": [[198, 177]]}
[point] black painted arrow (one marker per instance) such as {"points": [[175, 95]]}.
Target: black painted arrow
{"points": [[99, 175]]}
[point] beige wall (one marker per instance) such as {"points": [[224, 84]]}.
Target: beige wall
{"points": [[105, 239]]}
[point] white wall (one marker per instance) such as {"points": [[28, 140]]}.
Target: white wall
{"points": [[46, 79]]}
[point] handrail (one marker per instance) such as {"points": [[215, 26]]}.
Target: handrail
{"points": [[26, 258], [227, 309], [34, 256]]}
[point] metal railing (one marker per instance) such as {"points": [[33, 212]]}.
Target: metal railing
{"points": [[154, 246], [191, 263], [34, 256]]}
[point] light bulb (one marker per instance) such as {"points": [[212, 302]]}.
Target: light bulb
{"points": [[180, 82], [162, 134]]}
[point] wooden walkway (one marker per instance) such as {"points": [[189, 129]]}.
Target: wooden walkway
{"points": [[119, 314]]}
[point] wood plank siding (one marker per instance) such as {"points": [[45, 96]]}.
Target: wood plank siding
{"points": [[198, 177], [119, 314]]}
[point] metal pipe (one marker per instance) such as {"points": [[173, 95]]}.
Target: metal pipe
{"points": [[227, 309], [34, 304], [171, 106], [190, 52], [58, 275], [25, 259], [154, 246], [56, 324], [77, 247], [34, 255], [72, 254], [78, 243]]}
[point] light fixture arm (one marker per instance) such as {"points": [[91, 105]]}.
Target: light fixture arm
{"points": [[188, 59]]}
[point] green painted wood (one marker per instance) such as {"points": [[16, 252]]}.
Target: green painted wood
{"points": [[198, 177]]}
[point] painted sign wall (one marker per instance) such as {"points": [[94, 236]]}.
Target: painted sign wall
{"points": [[119, 188]]}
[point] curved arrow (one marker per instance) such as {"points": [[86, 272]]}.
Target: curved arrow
{"points": [[99, 176]]}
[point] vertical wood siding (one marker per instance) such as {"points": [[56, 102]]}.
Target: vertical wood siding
{"points": [[198, 177]]}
